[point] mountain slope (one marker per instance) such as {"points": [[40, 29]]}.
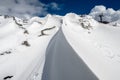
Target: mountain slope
{"points": [[98, 47], [25, 45], [63, 63]]}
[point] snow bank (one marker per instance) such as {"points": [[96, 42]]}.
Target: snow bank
{"points": [[24, 45], [98, 47]]}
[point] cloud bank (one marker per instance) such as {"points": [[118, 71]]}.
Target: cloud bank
{"points": [[109, 14], [26, 8]]}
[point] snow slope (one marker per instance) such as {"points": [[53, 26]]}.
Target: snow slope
{"points": [[63, 63], [98, 47], [19, 60], [67, 45]]}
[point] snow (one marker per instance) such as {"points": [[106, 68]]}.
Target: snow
{"points": [[99, 48], [23, 62], [63, 63], [26, 44]]}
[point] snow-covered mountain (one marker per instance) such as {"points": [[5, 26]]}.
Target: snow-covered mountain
{"points": [[70, 47]]}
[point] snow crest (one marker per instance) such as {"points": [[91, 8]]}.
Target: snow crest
{"points": [[24, 44]]}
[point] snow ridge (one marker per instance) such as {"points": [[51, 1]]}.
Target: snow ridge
{"points": [[24, 45]]}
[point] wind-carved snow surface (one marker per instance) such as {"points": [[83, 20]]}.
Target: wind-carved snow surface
{"points": [[31, 49], [22, 50], [99, 48]]}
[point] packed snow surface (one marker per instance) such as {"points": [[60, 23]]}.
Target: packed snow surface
{"points": [[59, 48]]}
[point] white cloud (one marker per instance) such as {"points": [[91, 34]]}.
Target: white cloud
{"points": [[110, 14], [22, 8], [54, 6], [100, 8]]}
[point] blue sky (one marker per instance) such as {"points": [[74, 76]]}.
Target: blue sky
{"points": [[81, 6], [30, 8]]}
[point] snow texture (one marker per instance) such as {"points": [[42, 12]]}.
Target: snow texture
{"points": [[60, 47]]}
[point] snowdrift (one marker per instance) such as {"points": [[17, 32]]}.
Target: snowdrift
{"points": [[70, 47]]}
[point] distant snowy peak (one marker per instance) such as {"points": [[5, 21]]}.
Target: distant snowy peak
{"points": [[85, 21], [55, 18], [7, 18]]}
